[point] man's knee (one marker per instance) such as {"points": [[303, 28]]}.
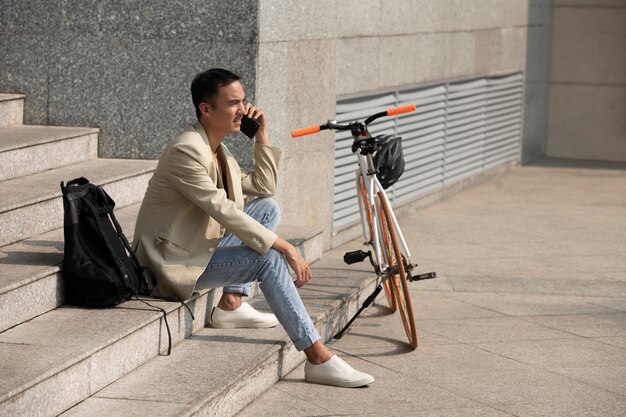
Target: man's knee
{"points": [[274, 256], [264, 206], [269, 205], [275, 261]]}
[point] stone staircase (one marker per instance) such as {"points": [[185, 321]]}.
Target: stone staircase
{"points": [[61, 359]]}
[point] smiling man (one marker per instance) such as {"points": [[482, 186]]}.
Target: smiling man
{"points": [[194, 231]]}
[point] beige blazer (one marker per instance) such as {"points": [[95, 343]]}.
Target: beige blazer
{"points": [[185, 211]]}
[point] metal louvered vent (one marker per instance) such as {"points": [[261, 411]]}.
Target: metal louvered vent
{"points": [[459, 129]]}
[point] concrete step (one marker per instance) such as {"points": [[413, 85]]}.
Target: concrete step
{"points": [[310, 239], [11, 109], [28, 149], [65, 355], [62, 357], [32, 205], [219, 372]]}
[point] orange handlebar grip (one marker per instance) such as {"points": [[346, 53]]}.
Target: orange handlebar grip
{"points": [[402, 109], [305, 131]]}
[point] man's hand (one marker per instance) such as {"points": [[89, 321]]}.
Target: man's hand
{"points": [[299, 265], [257, 114]]}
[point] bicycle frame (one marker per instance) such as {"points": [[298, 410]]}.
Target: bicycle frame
{"points": [[373, 188]]}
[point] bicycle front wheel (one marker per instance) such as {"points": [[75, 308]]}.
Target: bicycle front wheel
{"points": [[396, 272]]}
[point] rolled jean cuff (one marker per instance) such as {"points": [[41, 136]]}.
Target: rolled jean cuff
{"points": [[243, 289], [307, 340]]}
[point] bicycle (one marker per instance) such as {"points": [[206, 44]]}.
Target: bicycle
{"points": [[391, 258]]}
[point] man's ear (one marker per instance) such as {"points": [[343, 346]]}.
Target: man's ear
{"points": [[205, 109]]}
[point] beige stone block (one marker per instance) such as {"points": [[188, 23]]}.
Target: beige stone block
{"points": [[587, 122], [421, 58], [481, 14], [283, 20], [457, 59], [488, 50], [588, 45], [513, 56], [310, 171], [398, 61], [297, 89], [360, 18], [421, 16], [409, 17], [500, 50], [356, 75], [311, 82], [271, 89]]}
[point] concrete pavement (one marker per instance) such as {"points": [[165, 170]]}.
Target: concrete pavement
{"points": [[527, 317]]}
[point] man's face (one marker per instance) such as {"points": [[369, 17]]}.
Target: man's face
{"points": [[225, 116]]}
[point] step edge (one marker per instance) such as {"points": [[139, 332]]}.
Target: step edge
{"points": [[23, 282], [328, 328], [47, 270], [74, 360], [74, 135], [11, 97], [57, 194], [51, 271], [197, 407]]}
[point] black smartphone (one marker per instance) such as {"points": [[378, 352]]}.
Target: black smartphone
{"points": [[249, 126]]}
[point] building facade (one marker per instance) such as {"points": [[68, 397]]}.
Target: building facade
{"points": [[126, 68]]}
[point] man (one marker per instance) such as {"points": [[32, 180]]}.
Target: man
{"points": [[194, 232]]}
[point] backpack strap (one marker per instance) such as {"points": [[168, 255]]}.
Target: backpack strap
{"points": [[121, 267], [175, 300], [145, 274], [167, 326]]}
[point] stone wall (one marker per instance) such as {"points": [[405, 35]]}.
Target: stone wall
{"points": [[124, 67], [310, 53], [587, 113]]}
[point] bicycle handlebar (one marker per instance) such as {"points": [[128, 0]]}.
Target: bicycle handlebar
{"points": [[335, 126], [305, 131], [402, 109]]}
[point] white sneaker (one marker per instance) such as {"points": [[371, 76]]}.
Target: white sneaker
{"points": [[336, 372], [243, 317]]}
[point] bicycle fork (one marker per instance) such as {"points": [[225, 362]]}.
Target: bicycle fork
{"points": [[360, 256]]}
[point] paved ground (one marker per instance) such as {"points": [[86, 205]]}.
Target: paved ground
{"points": [[527, 317]]}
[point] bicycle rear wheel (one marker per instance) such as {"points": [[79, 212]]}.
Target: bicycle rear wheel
{"points": [[389, 292], [397, 275]]}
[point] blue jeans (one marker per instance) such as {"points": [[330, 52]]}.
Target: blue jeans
{"points": [[235, 266]]}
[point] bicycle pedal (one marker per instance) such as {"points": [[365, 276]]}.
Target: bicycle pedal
{"points": [[420, 277], [355, 256]]}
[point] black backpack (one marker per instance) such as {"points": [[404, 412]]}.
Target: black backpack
{"points": [[100, 268]]}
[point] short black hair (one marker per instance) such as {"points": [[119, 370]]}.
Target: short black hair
{"points": [[205, 86]]}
